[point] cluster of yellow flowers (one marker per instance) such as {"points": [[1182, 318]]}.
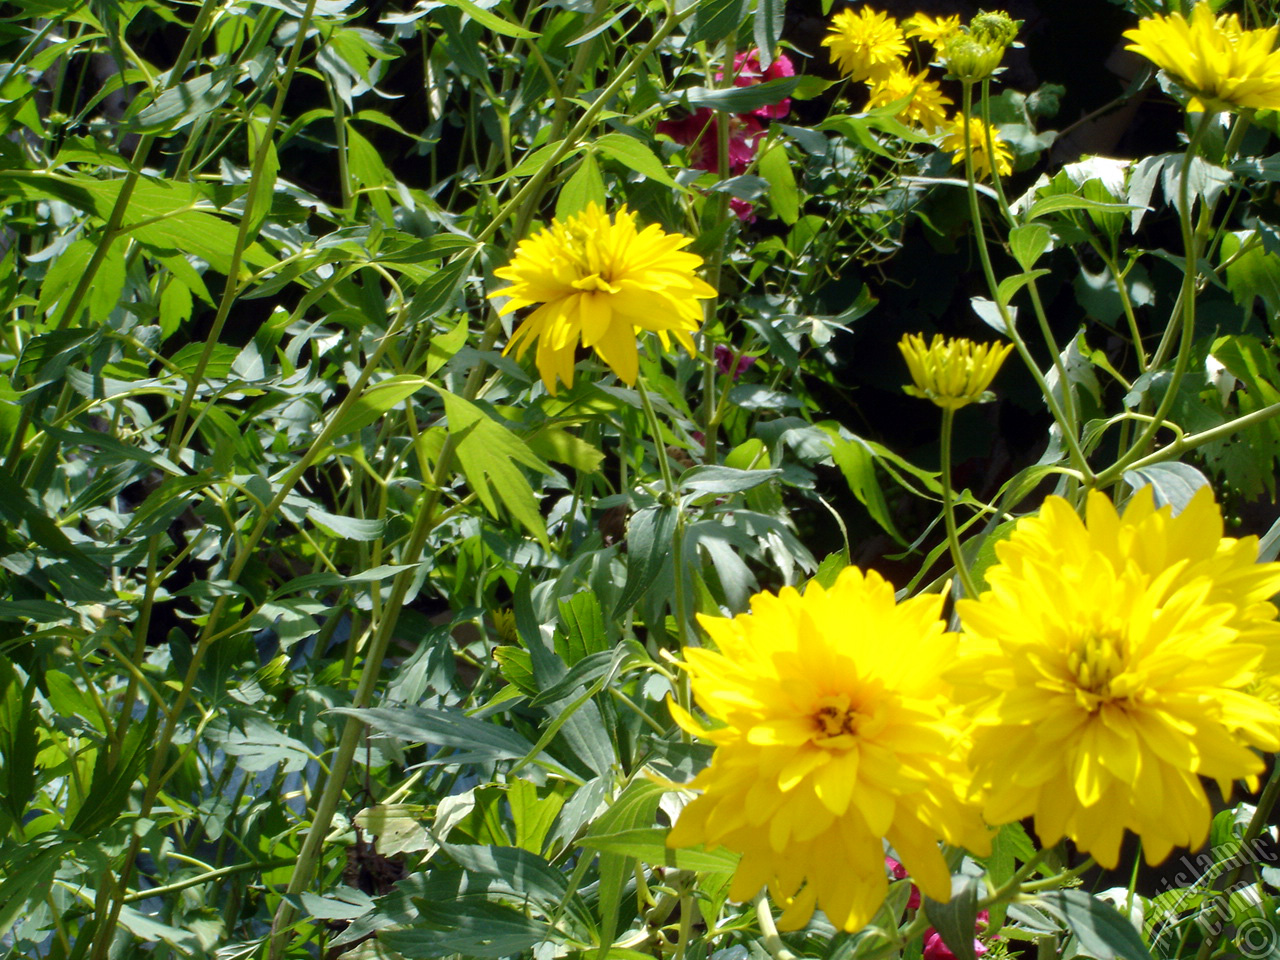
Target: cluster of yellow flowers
{"points": [[1111, 663], [871, 47]]}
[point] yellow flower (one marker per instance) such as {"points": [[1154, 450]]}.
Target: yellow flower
{"points": [[951, 373], [1222, 65], [601, 281], [866, 45], [927, 105], [1110, 665], [834, 731], [934, 30], [953, 142]]}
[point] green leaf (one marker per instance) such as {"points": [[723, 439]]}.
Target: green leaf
{"points": [[713, 20], [649, 845], [437, 293], [349, 528], [767, 28], [466, 927], [1011, 285], [707, 479], [857, 464], [585, 187], [377, 400], [1254, 274], [1172, 483], [956, 920], [775, 167], [113, 779], [558, 444], [18, 741], [181, 105], [635, 807], [1101, 930], [1064, 201], [1027, 242], [632, 152], [741, 99], [649, 536], [444, 345], [584, 628], [488, 453], [474, 741], [491, 20]]}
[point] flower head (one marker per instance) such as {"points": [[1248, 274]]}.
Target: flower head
{"points": [[1222, 65], [995, 27], [724, 358], [934, 30], [598, 282], [953, 142], [1111, 664], [747, 72], [970, 59], [935, 949], [865, 45], [951, 373], [699, 132], [828, 740], [899, 872], [926, 107]]}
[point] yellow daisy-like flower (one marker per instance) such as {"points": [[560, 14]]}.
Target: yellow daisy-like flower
{"points": [[927, 106], [599, 282], [1222, 65], [834, 732], [866, 45], [934, 30], [951, 373], [1110, 665], [953, 142]]}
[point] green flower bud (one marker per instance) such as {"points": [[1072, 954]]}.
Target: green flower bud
{"points": [[969, 59], [995, 27]]}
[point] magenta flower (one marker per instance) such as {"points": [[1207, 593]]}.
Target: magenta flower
{"points": [[747, 73], [935, 949], [698, 132], [900, 873], [724, 356]]}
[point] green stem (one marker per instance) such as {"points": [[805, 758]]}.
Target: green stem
{"points": [[1186, 301], [975, 214], [769, 930], [949, 507], [248, 226]]}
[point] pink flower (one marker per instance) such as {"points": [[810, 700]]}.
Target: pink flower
{"points": [[900, 873], [747, 73], [935, 949], [725, 364], [698, 132], [746, 211]]}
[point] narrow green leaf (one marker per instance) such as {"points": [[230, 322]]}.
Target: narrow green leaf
{"points": [[377, 400], [649, 845], [491, 20]]}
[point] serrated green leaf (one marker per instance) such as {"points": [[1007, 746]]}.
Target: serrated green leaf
{"points": [[488, 453]]}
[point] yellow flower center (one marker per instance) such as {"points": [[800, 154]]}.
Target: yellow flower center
{"points": [[1096, 661], [595, 282], [839, 719]]}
